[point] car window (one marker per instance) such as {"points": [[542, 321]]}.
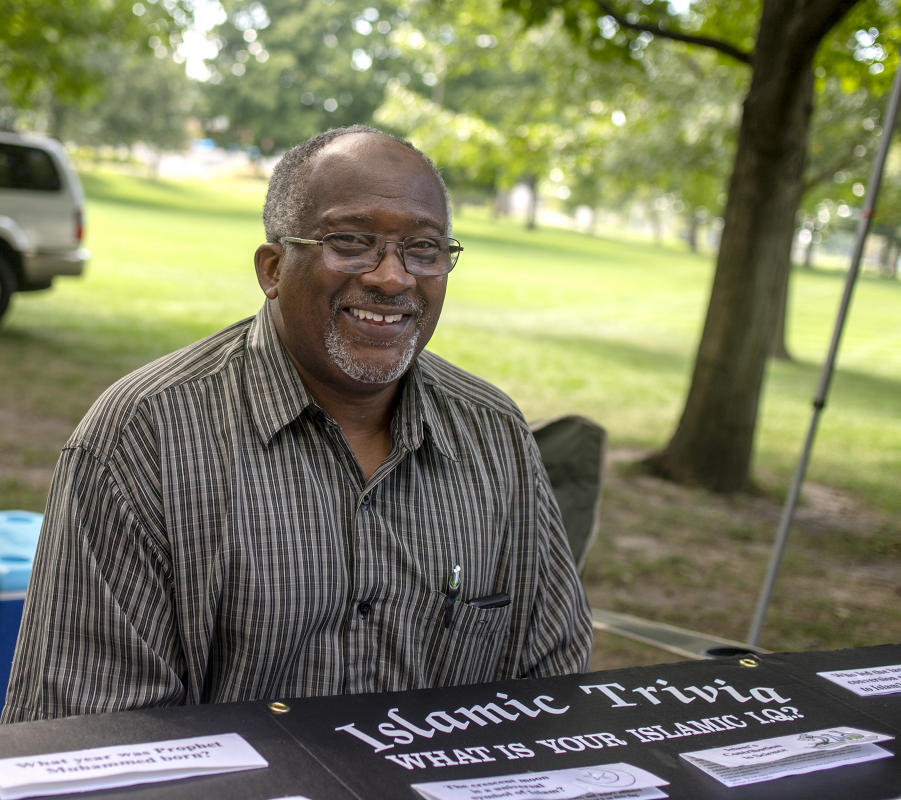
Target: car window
{"points": [[27, 168]]}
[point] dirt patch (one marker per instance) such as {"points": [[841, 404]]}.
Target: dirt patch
{"points": [[829, 508], [695, 559], [29, 447]]}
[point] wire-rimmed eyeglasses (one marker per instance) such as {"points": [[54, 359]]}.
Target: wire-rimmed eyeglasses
{"points": [[355, 253]]}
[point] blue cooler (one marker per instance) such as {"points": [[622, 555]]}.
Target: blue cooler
{"points": [[18, 539]]}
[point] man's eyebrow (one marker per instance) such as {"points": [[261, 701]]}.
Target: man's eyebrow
{"points": [[332, 219], [366, 219], [426, 222]]}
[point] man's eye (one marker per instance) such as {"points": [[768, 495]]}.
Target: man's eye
{"points": [[422, 245], [351, 239]]}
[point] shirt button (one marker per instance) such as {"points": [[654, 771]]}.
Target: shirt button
{"points": [[364, 608], [364, 502]]}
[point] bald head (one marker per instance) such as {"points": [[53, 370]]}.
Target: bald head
{"points": [[288, 201]]}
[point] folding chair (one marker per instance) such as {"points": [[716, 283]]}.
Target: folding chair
{"points": [[572, 449]]}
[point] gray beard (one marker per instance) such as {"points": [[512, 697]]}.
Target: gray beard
{"points": [[341, 353], [340, 349]]}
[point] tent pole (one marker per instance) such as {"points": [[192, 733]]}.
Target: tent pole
{"points": [[819, 402]]}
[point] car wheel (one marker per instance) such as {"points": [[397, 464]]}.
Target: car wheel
{"points": [[8, 285]]}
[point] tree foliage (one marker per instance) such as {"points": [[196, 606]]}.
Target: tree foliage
{"points": [[143, 98], [498, 104], [493, 102], [780, 40], [323, 65], [47, 46], [763, 111]]}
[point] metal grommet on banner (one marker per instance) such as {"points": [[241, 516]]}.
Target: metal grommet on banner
{"points": [[279, 708], [749, 662]]}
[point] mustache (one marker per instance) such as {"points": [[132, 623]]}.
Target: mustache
{"points": [[409, 305]]}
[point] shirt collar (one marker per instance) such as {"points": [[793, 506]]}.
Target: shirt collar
{"points": [[277, 396], [275, 393], [418, 414]]}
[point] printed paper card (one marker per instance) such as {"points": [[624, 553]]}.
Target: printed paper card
{"points": [[604, 782], [869, 681], [125, 765], [766, 759]]}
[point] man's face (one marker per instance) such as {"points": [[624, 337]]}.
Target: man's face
{"points": [[347, 332]]}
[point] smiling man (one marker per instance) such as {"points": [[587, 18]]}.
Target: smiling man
{"points": [[353, 329], [304, 503]]}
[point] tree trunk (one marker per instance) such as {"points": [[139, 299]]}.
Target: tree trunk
{"points": [[656, 220], [501, 207], [779, 341], [693, 221], [713, 442], [888, 257], [531, 182], [809, 250], [56, 124]]}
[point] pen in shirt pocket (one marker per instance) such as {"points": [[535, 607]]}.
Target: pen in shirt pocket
{"points": [[498, 600], [454, 584]]}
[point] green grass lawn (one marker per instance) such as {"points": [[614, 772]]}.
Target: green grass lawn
{"points": [[563, 321], [568, 322]]}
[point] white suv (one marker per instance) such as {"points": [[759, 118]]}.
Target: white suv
{"points": [[41, 215]]}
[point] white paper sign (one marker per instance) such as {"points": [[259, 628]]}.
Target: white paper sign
{"points": [[766, 759], [869, 681], [125, 765], [607, 781]]}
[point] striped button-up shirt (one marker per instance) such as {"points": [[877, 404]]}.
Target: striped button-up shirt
{"points": [[210, 537]]}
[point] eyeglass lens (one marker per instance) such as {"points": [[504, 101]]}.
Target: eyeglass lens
{"points": [[361, 252]]}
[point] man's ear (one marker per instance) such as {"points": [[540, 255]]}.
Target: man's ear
{"points": [[268, 262]]}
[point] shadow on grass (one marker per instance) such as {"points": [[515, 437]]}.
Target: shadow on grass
{"points": [[617, 351], [148, 338], [555, 243], [555, 350], [850, 388], [834, 275], [58, 372], [161, 195], [83, 360]]}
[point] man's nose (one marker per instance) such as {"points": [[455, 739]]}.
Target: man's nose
{"points": [[390, 276]]}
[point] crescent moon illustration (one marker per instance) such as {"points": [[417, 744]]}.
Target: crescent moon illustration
{"points": [[607, 777]]}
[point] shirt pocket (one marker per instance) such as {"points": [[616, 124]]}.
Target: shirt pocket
{"points": [[469, 650]]}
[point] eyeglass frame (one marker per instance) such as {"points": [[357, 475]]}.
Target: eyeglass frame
{"points": [[322, 242]]}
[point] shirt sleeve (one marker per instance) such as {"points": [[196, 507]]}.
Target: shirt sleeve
{"points": [[559, 639], [98, 630]]}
